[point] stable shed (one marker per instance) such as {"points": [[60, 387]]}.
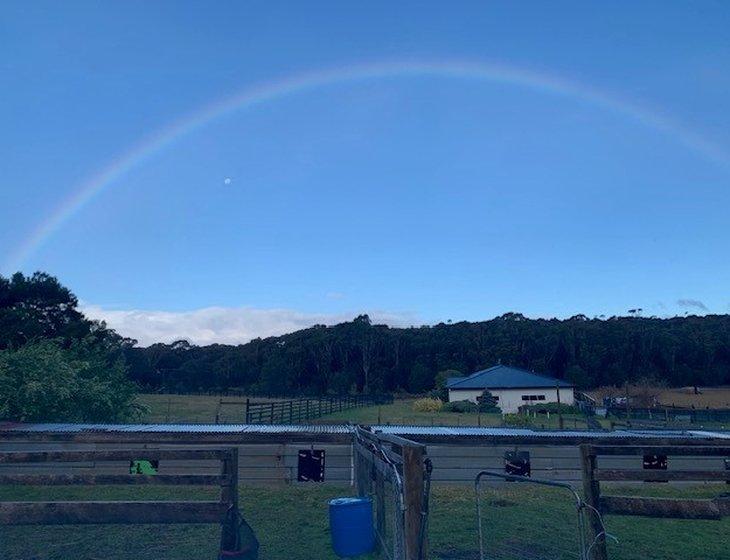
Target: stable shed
{"points": [[285, 454]]}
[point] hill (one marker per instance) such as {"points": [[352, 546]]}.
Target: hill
{"points": [[360, 356]]}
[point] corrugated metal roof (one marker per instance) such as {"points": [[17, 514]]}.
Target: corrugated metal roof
{"points": [[314, 429], [505, 377], [184, 428], [524, 432]]}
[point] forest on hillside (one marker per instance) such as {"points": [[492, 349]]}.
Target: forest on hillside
{"points": [[48, 348], [358, 356]]}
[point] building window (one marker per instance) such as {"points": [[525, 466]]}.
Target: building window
{"points": [[541, 397], [533, 397]]}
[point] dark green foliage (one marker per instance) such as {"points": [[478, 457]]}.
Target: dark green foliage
{"points": [[460, 407], [517, 420], [488, 402], [551, 407], [359, 356], [56, 365], [42, 381], [440, 391], [38, 306]]}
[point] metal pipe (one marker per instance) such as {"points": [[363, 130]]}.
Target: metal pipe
{"points": [[539, 481]]}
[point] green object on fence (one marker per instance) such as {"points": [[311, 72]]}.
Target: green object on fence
{"points": [[143, 467]]}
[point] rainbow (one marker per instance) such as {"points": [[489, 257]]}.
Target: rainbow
{"points": [[255, 95]]}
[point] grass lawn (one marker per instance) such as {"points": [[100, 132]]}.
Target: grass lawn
{"points": [[291, 523], [401, 412], [191, 408], [202, 409]]}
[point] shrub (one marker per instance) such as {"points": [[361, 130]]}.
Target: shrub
{"points": [[517, 420], [46, 381], [488, 402], [427, 405], [461, 407], [551, 407]]}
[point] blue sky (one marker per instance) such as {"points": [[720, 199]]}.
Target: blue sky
{"points": [[417, 198]]}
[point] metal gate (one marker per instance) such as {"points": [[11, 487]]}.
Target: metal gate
{"points": [[559, 545]]}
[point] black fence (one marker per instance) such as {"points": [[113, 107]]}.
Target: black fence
{"points": [[214, 393], [296, 411], [671, 414]]}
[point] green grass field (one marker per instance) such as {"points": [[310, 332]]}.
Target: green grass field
{"points": [[401, 412], [178, 408], [191, 408], [202, 409], [291, 523]]}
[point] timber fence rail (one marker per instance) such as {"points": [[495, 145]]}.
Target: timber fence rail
{"points": [[296, 411], [124, 512], [655, 459]]}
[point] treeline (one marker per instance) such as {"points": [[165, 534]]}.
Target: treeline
{"points": [[361, 357], [54, 362]]}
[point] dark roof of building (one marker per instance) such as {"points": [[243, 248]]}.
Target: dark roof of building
{"points": [[504, 377]]}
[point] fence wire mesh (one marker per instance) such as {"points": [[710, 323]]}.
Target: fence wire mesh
{"points": [[528, 519], [378, 476]]}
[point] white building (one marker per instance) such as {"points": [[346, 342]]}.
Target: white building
{"points": [[512, 387]]}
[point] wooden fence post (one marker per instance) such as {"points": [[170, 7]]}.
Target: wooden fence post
{"points": [[592, 497], [413, 481], [229, 492]]}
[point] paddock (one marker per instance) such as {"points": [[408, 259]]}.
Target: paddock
{"points": [[396, 465]]}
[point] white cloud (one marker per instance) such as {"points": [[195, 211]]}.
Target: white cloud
{"points": [[225, 325]]}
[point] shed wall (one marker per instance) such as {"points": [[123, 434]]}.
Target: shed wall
{"points": [[276, 463], [511, 399]]}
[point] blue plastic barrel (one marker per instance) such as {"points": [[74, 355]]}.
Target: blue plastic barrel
{"points": [[351, 526]]}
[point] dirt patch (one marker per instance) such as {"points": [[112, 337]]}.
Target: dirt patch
{"points": [[706, 397], [712, 397]]}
